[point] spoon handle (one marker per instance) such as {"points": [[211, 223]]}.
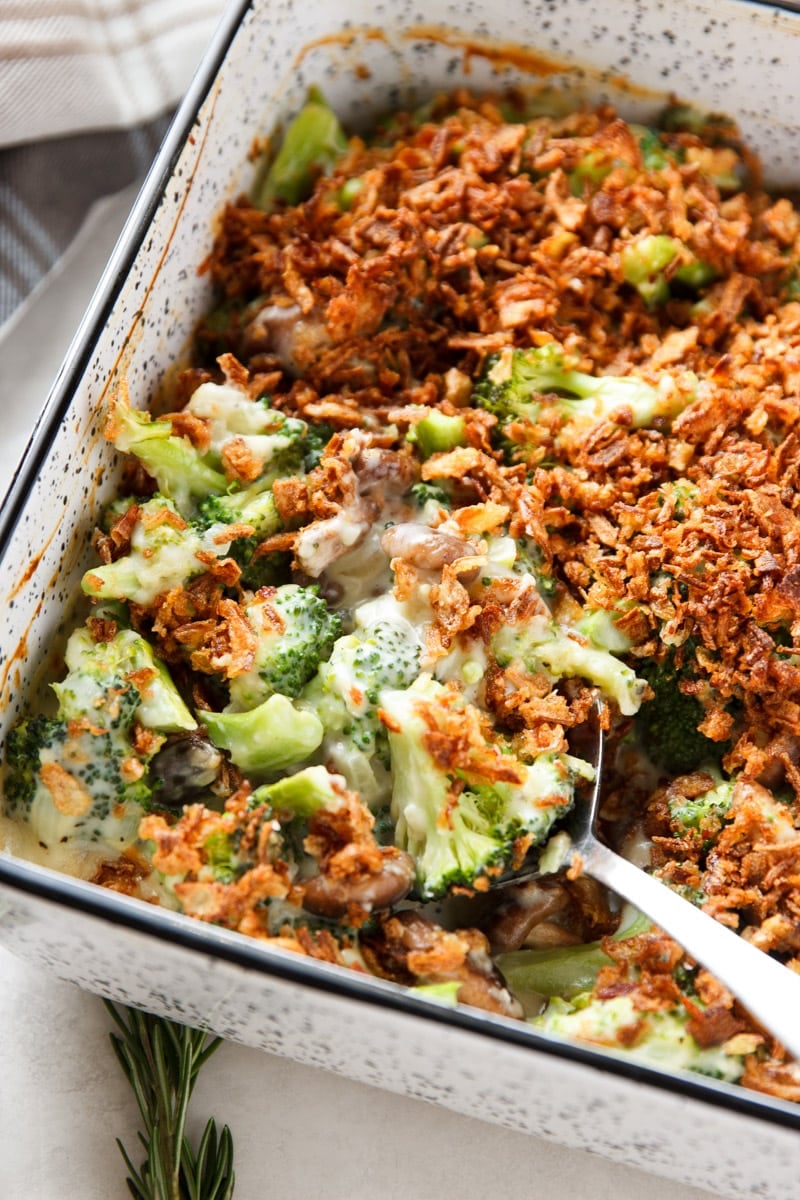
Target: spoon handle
{"points": [[767, 989]]}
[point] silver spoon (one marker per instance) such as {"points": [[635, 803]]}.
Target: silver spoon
{"points": [[766, 988]]}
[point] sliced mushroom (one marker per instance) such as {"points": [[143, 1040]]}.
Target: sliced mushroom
{"points": [[428, 549], [293, 337], [411, 948], [376, 892], [526, 906], [185, 764]]}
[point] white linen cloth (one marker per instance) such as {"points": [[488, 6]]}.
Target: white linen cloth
{"points": [[95, 64], [86, 87]]}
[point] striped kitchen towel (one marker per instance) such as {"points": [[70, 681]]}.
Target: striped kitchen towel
{"points": [[85, 92]]}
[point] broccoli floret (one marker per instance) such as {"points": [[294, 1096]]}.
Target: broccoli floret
{"points": [[303, 793], [460, 822], [271, 737], [311, 145], [660, 1038], [80, 776], [430, 497], [347, 692], [25, 745], [289, 650], [529, 560], [260, 570], [667, 725], [166, 551], [542, 644], [254, 506], [437, 433], [180, 471], [272, 442], [599, 626], [516, 381], [127, 656], [317, 437], [644, 263], [704, 813]]}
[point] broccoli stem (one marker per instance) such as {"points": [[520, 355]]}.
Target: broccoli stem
{"points": [[643, 263], [312, 143], [271, 737], [437, 433], [563, 970]]}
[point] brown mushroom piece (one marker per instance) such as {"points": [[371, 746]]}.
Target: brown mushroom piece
{"points": [[412, 949], [543, 913], [779, 757], [185, 765], [282, 329], [525, 907], [377, 891], [427, 549]]}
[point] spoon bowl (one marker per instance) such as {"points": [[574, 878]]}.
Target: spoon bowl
{"points": [[767, 989]]}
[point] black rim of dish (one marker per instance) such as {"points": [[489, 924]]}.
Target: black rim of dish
{"points": [[248, 954]]}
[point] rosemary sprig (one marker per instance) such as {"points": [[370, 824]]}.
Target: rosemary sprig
{"points": [[161, 1061]]}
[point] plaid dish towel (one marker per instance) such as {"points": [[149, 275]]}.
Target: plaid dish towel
{"points": [[86, 91]]}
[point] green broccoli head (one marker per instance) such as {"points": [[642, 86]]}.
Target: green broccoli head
{"points": [[166, 551], [180, 471], [97, 669], [705, 813], [296, 631], [667, 725], [347, 691], [660, 1039], [540, 644], [25, 745], [81, 776], [254, 507], [517, 384], [460, 805], [78, 783], [428, 499], [302, 794], [271, 443], [270, 737], [274, 442]]}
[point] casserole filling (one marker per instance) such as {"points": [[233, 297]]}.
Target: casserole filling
{"points": [[497, 416]]}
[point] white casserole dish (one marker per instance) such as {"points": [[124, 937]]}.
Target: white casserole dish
{"points": [[730, 55]]}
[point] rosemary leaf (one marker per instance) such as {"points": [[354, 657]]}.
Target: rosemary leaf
{"points": [[161, 1060]]}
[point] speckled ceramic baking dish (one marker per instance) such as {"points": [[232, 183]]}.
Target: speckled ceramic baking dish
{"points": [[724, 54]]}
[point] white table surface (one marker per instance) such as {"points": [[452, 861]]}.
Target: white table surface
{"points": [[298, 1132]]}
